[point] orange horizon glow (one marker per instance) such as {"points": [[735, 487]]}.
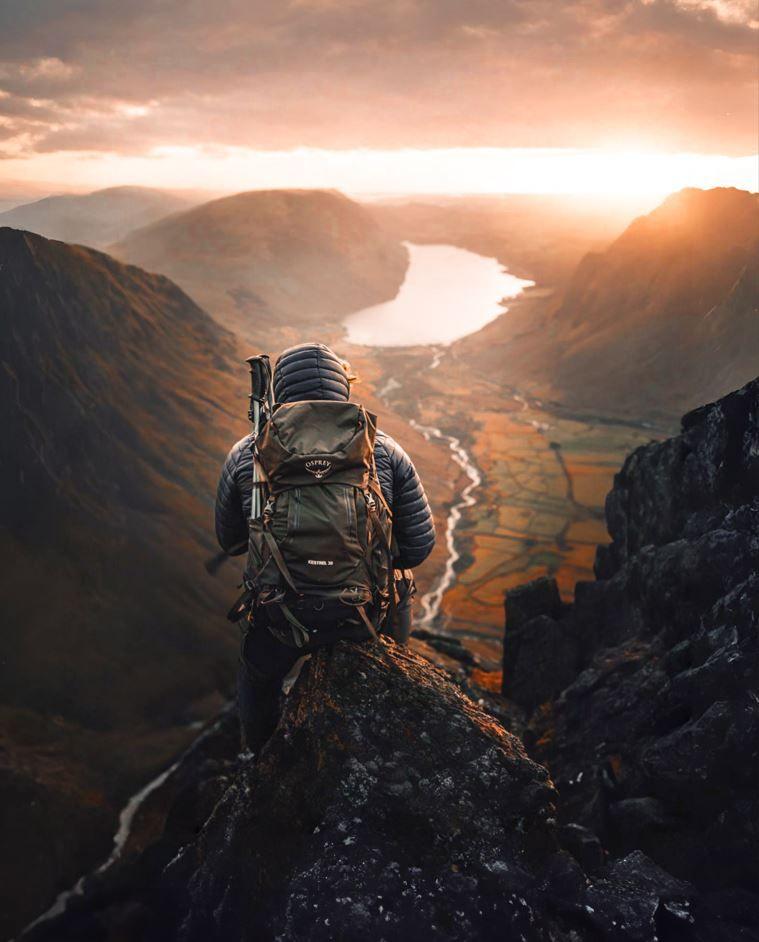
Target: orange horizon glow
{"points": [[602, 173]]}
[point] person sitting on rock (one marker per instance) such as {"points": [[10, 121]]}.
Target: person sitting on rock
{"points": [[312, 371]]}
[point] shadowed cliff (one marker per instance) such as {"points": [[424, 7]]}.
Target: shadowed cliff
{"points": [[644, 694]]}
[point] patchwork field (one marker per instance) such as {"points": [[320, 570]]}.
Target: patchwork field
{"points": [[545, 476]]}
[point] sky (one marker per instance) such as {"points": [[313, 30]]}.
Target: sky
{"points": [[380, 95]]}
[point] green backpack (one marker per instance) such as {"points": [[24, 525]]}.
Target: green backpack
{"points": [[320, 560]]}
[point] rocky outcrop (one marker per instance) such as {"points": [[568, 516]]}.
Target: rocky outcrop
{"points": [[386, 805], [654, 740]]}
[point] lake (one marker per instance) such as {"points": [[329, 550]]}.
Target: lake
{"points": [[448, 293]]}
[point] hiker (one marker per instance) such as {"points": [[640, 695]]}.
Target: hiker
{"points": [[279, 632]]}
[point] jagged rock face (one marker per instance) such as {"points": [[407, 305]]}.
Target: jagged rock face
{"points": [[655, 742], [539, 655], [385, 806], [386, 803]]}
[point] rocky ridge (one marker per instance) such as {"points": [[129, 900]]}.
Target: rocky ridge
{"points": [[386, 806]]}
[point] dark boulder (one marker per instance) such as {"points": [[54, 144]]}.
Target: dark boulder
{"points": [[539, 651]]}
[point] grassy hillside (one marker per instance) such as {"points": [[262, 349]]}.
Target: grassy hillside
{"points": [[273, 258]]}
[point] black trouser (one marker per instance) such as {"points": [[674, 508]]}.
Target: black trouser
{"points": [[265, 661]]}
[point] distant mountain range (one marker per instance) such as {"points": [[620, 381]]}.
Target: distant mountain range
{"points": [[537, 236], [97, 218], [273, 258], [121, 394]]}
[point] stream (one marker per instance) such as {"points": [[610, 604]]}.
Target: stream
{"points": [[432, 600], [120, 838]]}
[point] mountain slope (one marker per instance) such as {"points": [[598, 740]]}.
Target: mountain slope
{"points": [[97, 218], [663, 319], [668, 316], [273, 257], [110, 450]]}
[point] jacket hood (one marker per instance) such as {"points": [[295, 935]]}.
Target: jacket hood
{"points": [[310, 371]]}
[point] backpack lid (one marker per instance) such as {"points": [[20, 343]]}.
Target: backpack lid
{"points": [[317, 441]]}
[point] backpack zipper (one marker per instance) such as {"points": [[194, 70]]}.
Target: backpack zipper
{"points": [[348, 496], [296, 508]]}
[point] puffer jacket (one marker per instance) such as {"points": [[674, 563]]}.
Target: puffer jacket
{"points": [[313, 371]]}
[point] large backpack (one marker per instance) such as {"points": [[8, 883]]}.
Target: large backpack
{"points": [[319, 556]]}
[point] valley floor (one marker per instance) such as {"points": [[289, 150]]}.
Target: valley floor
{"points": [[545, 475]]}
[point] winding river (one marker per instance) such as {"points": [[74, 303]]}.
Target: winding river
{"points": [[432, 600], [123, 831]]}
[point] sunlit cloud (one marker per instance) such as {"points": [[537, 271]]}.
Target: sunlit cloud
{"points": [[679, 75], [132, 110], [743, 12]]}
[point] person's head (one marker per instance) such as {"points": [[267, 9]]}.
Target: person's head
{"points": [[311, 371]]}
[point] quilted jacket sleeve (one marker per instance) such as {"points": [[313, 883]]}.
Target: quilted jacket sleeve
{"points": [[413, 527], [232, 502]]}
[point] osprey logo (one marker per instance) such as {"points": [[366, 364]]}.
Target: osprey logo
{"points": [[319, 467]]}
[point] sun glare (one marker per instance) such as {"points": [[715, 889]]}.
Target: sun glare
{"points": [[602, 172]]}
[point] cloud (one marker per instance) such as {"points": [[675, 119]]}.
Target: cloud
{"points": [[101, 75], [46, 68]]}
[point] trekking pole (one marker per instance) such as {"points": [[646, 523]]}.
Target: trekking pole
{"points": [[261, 404]]}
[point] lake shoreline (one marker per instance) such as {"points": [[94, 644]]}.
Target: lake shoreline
{"points": [[448, 293]]}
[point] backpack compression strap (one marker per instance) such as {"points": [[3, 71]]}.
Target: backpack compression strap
{"points": [[371, 508], [279, 559]]}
